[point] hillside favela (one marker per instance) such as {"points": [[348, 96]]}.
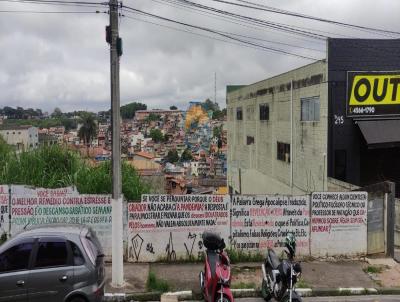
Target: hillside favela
{"points": [[200, 150]]}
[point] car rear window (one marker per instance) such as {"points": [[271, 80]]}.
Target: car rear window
{"points": [[92, 246], [51, 253], [78, 258]]}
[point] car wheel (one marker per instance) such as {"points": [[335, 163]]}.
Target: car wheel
{"points": [[77, 299]]}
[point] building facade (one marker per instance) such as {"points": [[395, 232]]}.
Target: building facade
{"points": [[23, 138], [332, 119]]}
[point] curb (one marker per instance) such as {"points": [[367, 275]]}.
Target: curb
{"points": [[251, 293]]}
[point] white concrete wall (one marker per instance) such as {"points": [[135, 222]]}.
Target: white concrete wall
{"points": [[29, 138], [258, 162]]}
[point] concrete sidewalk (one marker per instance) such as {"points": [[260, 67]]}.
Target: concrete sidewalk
{"points": [[316, 275]]}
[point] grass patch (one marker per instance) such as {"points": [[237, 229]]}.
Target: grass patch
{"points": [[237, 256], [374, 269], [155, 284], [3, 238], [244, 285], [302, 284]]}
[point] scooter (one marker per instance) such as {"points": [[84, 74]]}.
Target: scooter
{"points": [[280, 277], [216, 278]]}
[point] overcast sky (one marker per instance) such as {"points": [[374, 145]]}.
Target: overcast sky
{"points": [[62, 60]]}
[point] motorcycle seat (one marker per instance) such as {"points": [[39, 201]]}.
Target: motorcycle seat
{"points": [[273, 259], [212, 260]]}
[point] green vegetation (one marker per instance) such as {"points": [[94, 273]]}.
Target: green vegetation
{"points": [[208, 105], [237, 256], [88, 131], [301, 283], [173, 108], [155, 284], [187, 155], [57, 167], [98, 180], [172, 156], [156, 135], [153, 117], [128, 111], [68, 123], [244, 285], [3, 238], [374, 269]]}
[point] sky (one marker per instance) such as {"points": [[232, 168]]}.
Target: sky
{"points": [[62, 60]]}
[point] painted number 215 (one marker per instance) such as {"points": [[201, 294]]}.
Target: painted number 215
{"points": [[339, 120]]}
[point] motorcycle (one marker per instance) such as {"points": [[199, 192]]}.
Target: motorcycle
{"points": [[280, 277], [216, 277]]}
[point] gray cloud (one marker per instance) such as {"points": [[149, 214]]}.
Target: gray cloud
{"points": [[63, 60]]}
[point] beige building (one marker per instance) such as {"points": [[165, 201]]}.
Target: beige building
{"points": [[277, 136], [23, 138]]}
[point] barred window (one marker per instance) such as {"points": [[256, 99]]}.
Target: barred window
{"points": [[239, 113], [264, 112], [283, 152]]}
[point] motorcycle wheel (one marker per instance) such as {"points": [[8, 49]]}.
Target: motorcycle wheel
{"points": [[224, 299], [265, 292]]}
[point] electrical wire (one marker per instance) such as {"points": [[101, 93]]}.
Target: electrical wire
{"points": [[205, 36], [232, 20], [294, 14], [48, 12], [281, 51], [277, 26], [178, 4], [58, 3]]}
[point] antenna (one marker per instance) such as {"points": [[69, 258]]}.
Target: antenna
{"points": [[215, 87]]}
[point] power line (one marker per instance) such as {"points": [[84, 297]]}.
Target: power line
{"points": [[277, 26], [199, 34], [222, 34], [232, 20], [48, 12], [57, 3], [293, 14], [176, 3]]}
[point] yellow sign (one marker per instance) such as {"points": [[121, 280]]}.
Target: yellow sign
{"points": [[372, 90]]}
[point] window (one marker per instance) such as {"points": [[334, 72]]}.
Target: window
{"points": [[264, 112], [239, 113], [16, 258], [51, 253], [283, 152], [310, 109], [250, 140], [77, 254]]}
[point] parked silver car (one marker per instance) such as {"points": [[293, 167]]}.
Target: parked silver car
{"points": [[52, 263]]}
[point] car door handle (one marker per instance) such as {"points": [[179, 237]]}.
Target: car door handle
{"points": [[20, 283], [63, 278]]}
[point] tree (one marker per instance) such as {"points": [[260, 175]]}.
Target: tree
{"points": [[172, 156], [128, 111], [156, 135], [187, 155], [57, 112], [173, 108], [153, 117], [208, 105], [217, 115], [88, 130], [217, 131]]}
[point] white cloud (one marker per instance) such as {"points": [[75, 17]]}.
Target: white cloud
{"points": [[63, 60]]}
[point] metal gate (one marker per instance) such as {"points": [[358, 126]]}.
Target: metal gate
{"points": [[376, 225]]}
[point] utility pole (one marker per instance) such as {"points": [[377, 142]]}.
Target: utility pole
{"points": [[117, 224]]}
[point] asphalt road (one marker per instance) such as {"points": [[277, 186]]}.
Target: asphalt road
{"points": [[337, 299]]}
